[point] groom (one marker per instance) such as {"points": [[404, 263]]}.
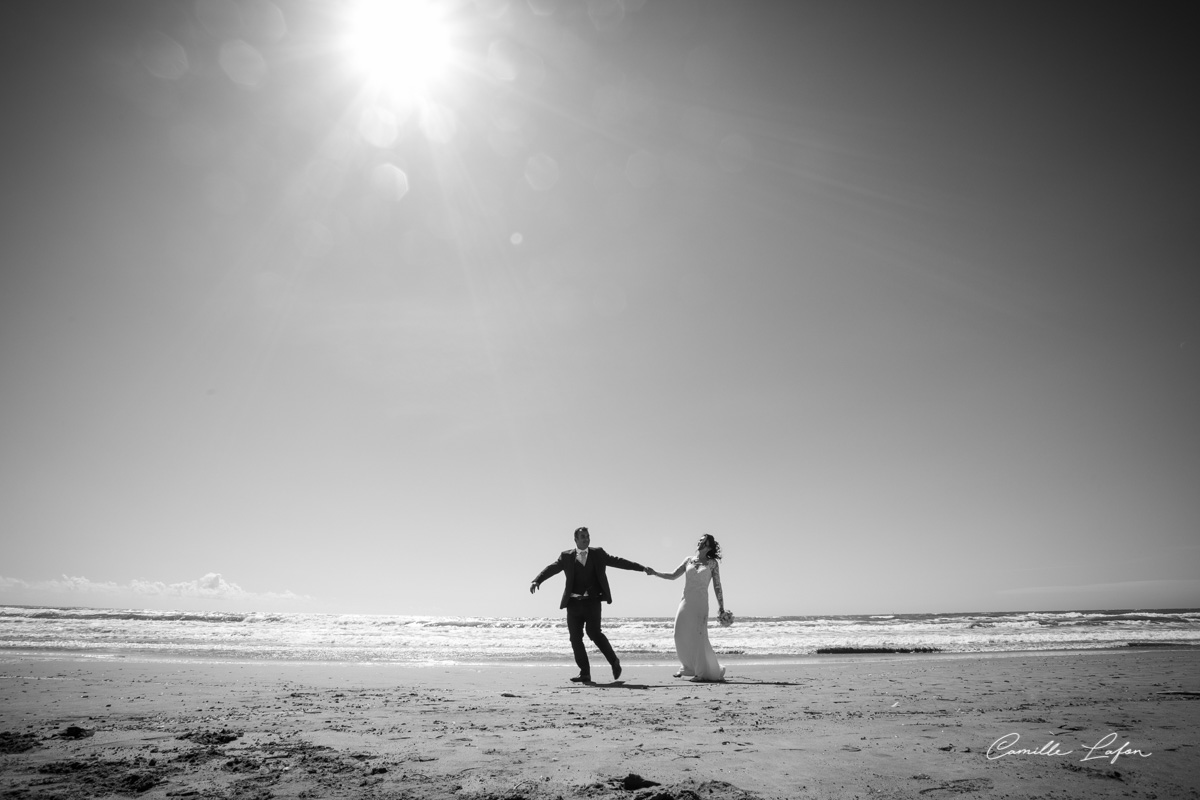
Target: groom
{"points": [[586, 587]]}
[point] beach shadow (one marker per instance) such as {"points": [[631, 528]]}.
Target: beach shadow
{"points": [[749, 682], [619, 685], [689, 684]]}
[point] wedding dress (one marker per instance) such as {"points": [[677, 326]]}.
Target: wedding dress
{"points": [[691, 627]]}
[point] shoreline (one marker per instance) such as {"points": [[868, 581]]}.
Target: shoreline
{"points": [[98, 655], [532, 639], [899, 726]]}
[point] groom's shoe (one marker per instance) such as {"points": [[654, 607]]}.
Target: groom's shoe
{"points": [[616, 670], [582, 679]]}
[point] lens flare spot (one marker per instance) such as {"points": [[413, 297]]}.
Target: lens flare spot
{"points": [[516, 238], [606, 15], [162, 56], [390, 181], [243, 64], [219, 17], [314, 239], [503, 60], [379, 127], [533, 70], [264, 21], [541, 172]]}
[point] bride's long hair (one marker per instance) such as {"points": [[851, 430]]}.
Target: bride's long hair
{"points": [[707, 542]]}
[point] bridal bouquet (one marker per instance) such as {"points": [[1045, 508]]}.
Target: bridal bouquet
{"points": [[725, 618]]}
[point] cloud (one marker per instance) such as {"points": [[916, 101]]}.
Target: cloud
{"points": [[65, 585], [212, 586]]}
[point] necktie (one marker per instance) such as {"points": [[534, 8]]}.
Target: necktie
{"points": [[581, 557]]}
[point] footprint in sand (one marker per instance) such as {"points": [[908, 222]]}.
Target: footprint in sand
{"points": [[962, 786]]}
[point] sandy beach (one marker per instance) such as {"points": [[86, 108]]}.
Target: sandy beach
{"points": [[1023, 725]]}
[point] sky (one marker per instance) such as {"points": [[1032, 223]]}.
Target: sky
{"points": [[896, 300]]}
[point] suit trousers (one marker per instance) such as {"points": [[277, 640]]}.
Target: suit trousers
{"points": [[584, 616]]}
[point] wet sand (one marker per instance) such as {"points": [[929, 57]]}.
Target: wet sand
{"points": [[910, 726]]}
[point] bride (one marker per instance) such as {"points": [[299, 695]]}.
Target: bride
{"points": [[696, 655]]}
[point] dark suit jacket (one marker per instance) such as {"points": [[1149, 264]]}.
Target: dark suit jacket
{"points": [[566, 563]]}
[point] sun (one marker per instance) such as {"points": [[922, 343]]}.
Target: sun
{"points": [[400, 45]]}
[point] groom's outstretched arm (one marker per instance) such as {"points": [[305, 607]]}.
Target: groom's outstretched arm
{"points": [[623, 563], [551, 569]]}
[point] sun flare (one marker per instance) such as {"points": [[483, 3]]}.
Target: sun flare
{"points": [[401, 45]]}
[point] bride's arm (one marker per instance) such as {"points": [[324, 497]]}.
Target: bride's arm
{"points": [[673, 575], [716, 573]]}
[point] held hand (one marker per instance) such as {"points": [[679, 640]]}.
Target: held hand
{"points": [[649, 571]]}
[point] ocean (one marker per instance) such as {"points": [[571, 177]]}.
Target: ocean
{"points": [[143, 634]]}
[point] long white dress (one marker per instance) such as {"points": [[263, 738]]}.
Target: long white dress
{"points": [[691, 627]]}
